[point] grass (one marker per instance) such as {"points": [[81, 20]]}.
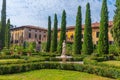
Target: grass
{"points": [[115, 63], [47, 74]]}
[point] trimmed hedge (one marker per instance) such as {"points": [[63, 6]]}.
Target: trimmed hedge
{"points": [[88, 61], [10, 57], [102, 71]]}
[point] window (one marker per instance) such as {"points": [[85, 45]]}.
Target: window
{"points": [[39, 37], [97, 34], [44, 36], [71, 36], [29, 29], [29, 35], [96, 42], [35, 35]]}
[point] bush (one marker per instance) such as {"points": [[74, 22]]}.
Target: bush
{"points": [[113, 50], [102, 71], [10, 57]]}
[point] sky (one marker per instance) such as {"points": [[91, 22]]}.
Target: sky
{"points": [[36, 12]]}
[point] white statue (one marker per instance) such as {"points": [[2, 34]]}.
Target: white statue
{"points": [[63, 48]]}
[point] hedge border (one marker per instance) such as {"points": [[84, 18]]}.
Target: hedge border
{"points": [[101, 71]]}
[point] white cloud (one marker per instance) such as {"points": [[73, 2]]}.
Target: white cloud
{"points": [[36, 12]]}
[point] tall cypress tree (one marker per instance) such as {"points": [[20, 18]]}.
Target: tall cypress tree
{"points": [[3, 24], [63, 31], [54, 35], [7, 35], [103, 45], [0, 26], [116, 25], [78, 33], [49, 35], [88, 44]]}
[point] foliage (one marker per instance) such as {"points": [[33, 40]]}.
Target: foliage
{"points": [[103, 45], [7, 35], [102, 71], [54, 35], [78, 33], [113, 50], [63, 32], [88, 44], [3, 25], [48, 45], [116, 25]]}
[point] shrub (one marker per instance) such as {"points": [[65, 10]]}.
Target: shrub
{"points": [[102, 71], [113, 50]]}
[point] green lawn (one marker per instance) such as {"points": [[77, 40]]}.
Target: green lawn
{"points": [[47, 74], [115, 63]]}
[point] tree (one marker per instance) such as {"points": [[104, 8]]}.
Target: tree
{"points": [[7, 35], [0, 26], [116, 25], [78, 33], [54, 35], [63, 31], [103, 45], [3, 24], [88, 44], [49, 35]]}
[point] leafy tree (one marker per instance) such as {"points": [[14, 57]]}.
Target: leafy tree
{"points": [[88, 44], [103, 46], [54, 36], [3, 24], [78, 33], [63, 31], [49, 35], [116, 27]]}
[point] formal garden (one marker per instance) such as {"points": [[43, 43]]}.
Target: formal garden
{"points": [[62, 60]]}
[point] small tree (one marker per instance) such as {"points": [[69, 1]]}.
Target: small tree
{"points": [[103, 46], [7, 35], [63, 31], [78, 33], [54, 35], [88, 44], [116, 25], [49, 35]]}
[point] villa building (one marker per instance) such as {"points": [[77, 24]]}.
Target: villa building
{"points": [[33, 33], [28, 33], [70, 31]]}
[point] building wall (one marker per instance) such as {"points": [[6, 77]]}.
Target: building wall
{"points": [[70, 35], [23, 34]]}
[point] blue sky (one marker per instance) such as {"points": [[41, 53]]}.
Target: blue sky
{"points": [[36, 12]]}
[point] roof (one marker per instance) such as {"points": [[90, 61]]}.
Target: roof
{"points": [[94, 25], [31, 27]]}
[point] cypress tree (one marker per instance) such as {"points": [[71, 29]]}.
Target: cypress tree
{"points": [[88, 44], [116, 25], [63, 31], [7, 35], [54, 35], [49, 35], [78, 33], [103, 45], [0, 26], [3, 24]]}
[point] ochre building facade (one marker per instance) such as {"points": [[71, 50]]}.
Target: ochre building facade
{"points": [[70, 31]]}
